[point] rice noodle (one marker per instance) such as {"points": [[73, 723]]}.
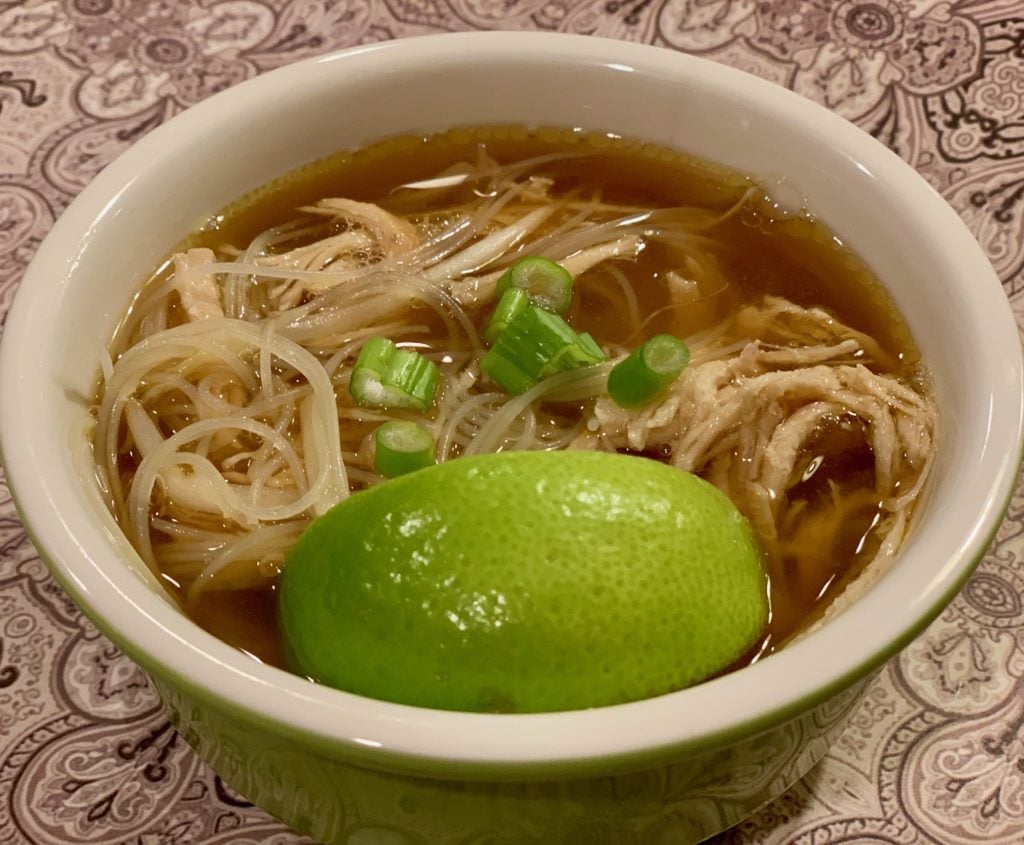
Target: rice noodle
{"points": [[573, 385], [258, 543], [488, 248]]}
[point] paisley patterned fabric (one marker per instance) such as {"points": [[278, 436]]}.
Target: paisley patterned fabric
{"points": [[935, 752]]}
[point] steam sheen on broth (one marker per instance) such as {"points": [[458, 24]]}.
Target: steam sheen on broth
{"points": [[225, 424]]}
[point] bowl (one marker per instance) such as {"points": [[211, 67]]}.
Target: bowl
{"points": [[341, 768]]}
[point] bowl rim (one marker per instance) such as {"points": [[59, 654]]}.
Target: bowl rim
{"points": [[403, 738]]}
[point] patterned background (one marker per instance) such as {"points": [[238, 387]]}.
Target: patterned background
{"points": [[936, 750]]}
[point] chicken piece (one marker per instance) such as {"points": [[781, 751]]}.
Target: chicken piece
{"points": [[779, 321], [391, 233], [198, 291], [369, 236], [745, 418], [538, 189], [683, 290]]}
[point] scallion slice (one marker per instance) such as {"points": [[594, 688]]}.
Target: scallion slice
{"points": [[388, 377], [589, 347], [641, 377], [547, 283], [402, 446], [506, 372], [512, 303], [534, 345]]}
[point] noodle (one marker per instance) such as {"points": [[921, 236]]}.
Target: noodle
{"points": [[225, 422]]}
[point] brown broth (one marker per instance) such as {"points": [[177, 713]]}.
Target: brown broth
{"points": [[795, 257]]}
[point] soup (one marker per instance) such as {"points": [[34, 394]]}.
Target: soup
{"points": [[226, 420]]}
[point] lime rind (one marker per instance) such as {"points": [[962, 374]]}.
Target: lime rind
{"points": [[524, 582]]}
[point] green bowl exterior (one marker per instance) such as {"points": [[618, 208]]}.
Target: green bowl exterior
{"points": [[332, 800], [684, 795]]}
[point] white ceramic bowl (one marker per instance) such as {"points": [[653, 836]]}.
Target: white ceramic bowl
{"points": [[683, 765]]}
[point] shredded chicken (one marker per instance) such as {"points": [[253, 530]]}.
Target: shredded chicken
{"points": [[717, 404], [199, 293], [369, 235], [684, 290], [789, 324], [538, 189], [745, 419], [392, 233], [625, 247]]}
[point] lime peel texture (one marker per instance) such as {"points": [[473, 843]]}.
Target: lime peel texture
{"points": [[524, 582]]}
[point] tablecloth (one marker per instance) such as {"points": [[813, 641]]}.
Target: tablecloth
{"points": [[935, 753]]}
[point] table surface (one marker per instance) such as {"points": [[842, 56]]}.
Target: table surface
{"points": [[935, 753]]}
